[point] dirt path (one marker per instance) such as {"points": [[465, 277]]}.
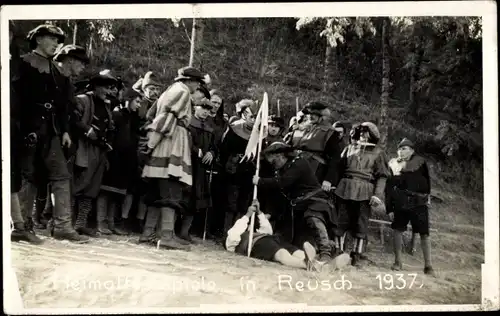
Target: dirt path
{"points": [[120, 273]]}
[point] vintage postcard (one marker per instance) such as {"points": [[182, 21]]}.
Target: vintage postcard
{"points": [[277, 157]]}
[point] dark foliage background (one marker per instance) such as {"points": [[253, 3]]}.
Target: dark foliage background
{"points": [[429, 88]]}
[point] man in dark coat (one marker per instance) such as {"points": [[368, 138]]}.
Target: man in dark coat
{"points": [[312, 215], [238, 174], [319, 143], [71, 61], [408, 196], [41, 95], [21, 231]]}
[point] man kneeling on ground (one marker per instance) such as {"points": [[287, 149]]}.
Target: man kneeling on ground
{"points": [[265, 245]]}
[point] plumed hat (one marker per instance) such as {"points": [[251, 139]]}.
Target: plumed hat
{"points": [[247, 103], [149, 80], [45, 29], [406, 142], [277, 148], [73, 51], [190, 73]]}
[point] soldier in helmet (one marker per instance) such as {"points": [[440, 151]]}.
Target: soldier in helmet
{"points": [[94, 125], [41, 95], [71, 61]]}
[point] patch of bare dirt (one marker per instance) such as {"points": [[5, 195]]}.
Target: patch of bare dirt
{"points": [[120, 273]]}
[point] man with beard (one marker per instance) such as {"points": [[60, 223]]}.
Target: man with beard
{"points": [[202, 157], [150, 88], [71, 61], [311, 214], [238, 174], [363, 173], [167, 157], [94, 125], [41, 95]]}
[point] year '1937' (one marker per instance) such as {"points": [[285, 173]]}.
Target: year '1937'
{"points": [[398, 281]]}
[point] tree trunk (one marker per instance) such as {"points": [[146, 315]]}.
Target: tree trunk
{"points": [[384, 96], [193, 41], [199, 42], [415, 71], [75, 31], [327, 83]]}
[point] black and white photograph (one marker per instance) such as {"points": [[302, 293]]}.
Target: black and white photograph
{"points": [[250, 157]]}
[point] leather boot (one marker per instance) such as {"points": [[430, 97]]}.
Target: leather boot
{"points": [[321, 238], [102, 210], [38, 220], [149, 232], [356, 254], [21, 234], [168, 239], [84, 208], [187, 221], [112, 208], [61, 215]]}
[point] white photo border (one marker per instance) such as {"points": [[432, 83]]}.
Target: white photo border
{"points": [[486, 9]]}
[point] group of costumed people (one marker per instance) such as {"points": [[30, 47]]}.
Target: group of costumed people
{"points": [[174, 158]]}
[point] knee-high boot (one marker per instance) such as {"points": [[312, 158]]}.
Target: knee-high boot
{"points": [[61, 215], [187, 222], [112, 221], [321, 238], [149, 232], [168, 238], [102, 210], [84, 205]]}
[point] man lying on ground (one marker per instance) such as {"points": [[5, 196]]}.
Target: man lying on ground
{"points": [[266, 245]]}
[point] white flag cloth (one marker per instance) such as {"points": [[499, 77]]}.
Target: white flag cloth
{"points": [[262, 118]]}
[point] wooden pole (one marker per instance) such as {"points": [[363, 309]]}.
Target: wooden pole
{"points": [[279, 112], [259, 148], [75, 31], [193, 38], [297, 105]]}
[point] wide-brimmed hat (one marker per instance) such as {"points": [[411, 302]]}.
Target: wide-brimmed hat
{"points": [[316, 107], [72, 51], [46, 29], [247, 103], [406, 142], [149, 80], [103, 78], [372, 129], [190, 73], [277, 148]]}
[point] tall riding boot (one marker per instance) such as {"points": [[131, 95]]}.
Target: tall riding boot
{"points": [[187, 222], [168, 239], [62, 228], [358, 250], [20, 233], [102, 212], [84, 205], [149, 232]]}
